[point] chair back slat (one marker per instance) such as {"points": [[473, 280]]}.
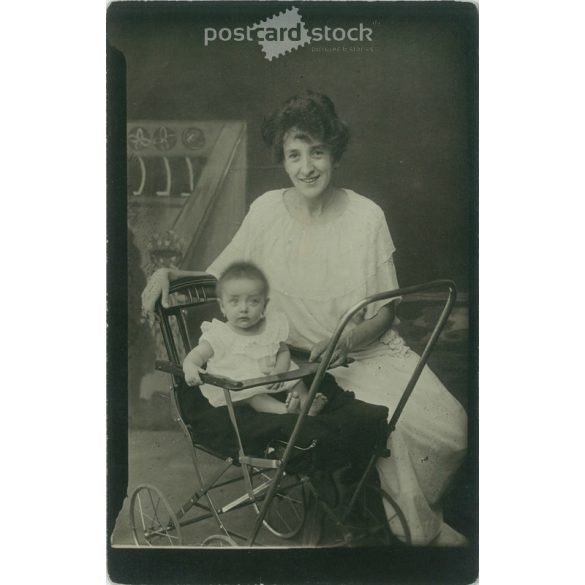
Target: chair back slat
{"points": [[183, 328], [192, 300]]}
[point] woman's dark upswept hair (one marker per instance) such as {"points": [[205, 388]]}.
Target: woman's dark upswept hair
{"points": [[314, 115]]}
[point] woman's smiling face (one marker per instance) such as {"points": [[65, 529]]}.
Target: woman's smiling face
{"points": [[308, 163]]}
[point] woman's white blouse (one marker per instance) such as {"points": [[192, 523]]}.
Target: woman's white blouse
{"points": [[316, 271]]}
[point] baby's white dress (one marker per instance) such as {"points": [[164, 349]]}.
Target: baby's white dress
{"points": [[241, 357], [316, 272]]}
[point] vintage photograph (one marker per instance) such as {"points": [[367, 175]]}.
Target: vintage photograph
{"points": [[292, 291]]}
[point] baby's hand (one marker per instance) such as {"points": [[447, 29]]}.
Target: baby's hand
{"points": [[275, 385], [191, 372]]}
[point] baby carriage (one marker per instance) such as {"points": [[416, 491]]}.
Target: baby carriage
{"points": [[292, 467]]}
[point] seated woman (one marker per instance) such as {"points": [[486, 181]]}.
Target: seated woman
{"points": [[324, 248]]}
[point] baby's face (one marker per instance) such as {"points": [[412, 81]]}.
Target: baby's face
{"points": [[242, 302]]}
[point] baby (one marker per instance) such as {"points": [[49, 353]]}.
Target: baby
{"points": [[250, 344]]}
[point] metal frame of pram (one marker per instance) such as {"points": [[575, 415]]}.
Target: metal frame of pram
{"points": [[200, 289]]}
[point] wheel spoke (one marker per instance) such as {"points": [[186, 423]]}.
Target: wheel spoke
{"points": [[157, 520], [379, 516], [152, 520], [154, 507], [288, 498], [165, 533], [294, 510], [370, 512], [286, 514], [141, 513], [283, 519], [290, 503]]}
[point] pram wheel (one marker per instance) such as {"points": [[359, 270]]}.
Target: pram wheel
{"points": [[286, 514], [153, 521], [219, 541], [383, 519]]}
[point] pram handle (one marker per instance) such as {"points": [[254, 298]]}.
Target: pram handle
{"points": [[238, 385], [324, 364]]}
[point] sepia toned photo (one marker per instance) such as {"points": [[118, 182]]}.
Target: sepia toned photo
{"points": [[292, 292]]}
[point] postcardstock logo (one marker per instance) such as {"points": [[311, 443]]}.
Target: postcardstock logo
{"points": [[283, 33]]}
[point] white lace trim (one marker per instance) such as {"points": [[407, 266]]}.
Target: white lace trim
{"points": [[259, 346], [395, 344]]}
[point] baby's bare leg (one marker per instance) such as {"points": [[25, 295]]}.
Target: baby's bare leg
{"points": [[301, 391], [319, 401], [266, 403]]}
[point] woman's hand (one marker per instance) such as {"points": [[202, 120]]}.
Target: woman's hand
{"points": [[340, 353], [356, 337], [156, 287]]}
